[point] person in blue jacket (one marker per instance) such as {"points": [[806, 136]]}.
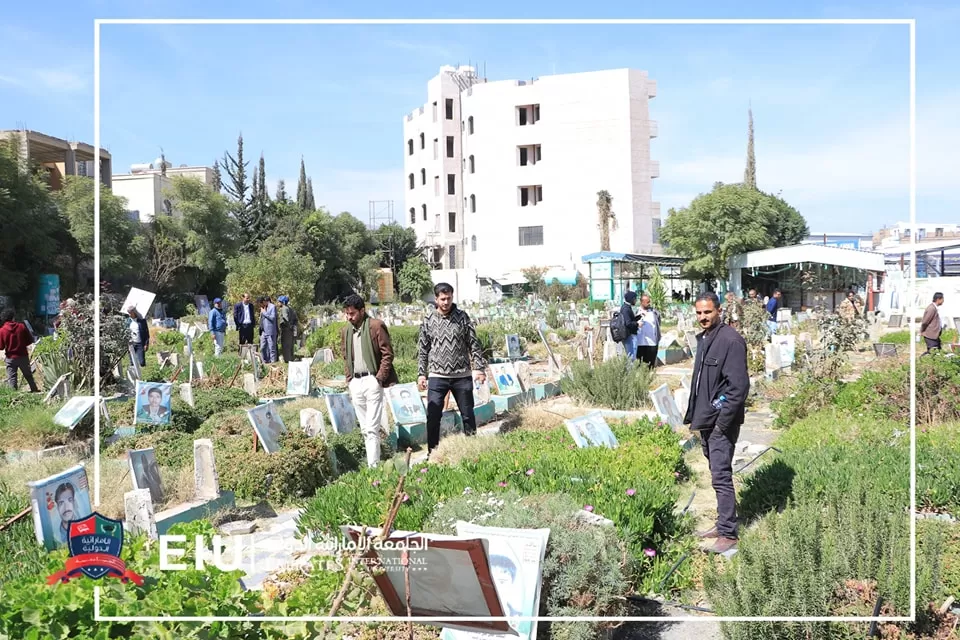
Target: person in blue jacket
{"points": [[217, 323]]}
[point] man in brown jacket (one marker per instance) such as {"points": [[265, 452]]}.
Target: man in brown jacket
{"points": [[930, 326], [368, 366]]}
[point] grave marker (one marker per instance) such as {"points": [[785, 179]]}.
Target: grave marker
{"points": [[205, 478], [139, 516]]}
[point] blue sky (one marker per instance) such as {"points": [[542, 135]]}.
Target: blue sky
{"points": [[830, 102]]}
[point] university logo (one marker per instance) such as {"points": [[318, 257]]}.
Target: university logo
{"points": [[94, 544]]}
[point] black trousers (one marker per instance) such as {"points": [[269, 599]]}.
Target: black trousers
{"points": [[22, 364], [718, 449], [647, 355], [932, 343], [246, 334], [437, 389]]}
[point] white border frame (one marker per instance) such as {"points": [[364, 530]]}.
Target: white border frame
{"points": [[911, 22]]}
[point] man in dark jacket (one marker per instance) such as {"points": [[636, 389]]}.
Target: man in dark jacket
{"points": [[139, 332], [716, 410], [368, 367], [244, 319], [930, 326], [14, 340], [630, 323]]}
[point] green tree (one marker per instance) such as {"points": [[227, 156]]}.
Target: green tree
{"points": [[217, 178], [730, 220], [302, 187], [368, 274], [268, 274], [237, 188], [534, 277], [281, 191], [32, 234], [657, 290], [337, 243], [120, 243], [606, 219], [414, 278], [398, 244], [311, 203], [210, 234], [166, 255], [750, 172]]}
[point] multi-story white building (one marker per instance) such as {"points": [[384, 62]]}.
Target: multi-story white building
{"points": [[504, 175], [145, 188]]}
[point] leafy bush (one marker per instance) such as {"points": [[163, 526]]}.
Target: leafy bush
{"points": [[169, 341], [620, 383], [406, 370], [583, 569], [839, 334], [351, 450], [404, 341], [817, 386], [207, 402], [18, 541], [949, 336], [297, 469], [938, 472], [327, 336]]}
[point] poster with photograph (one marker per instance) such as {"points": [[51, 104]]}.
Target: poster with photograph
{"points": [[56, 501], [153, 402], [202, 304], [269, 426], [666, 406], [74, 411], [142, 300], [591, 430], [505, 377], [513, 346], [146, 473], [298, 378], [406, 403], [449, 576], [341, 411], [516, 564]]}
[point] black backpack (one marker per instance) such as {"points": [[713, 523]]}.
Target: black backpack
{"points": [[618, 327]]}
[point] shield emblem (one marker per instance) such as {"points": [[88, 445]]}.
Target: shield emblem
{"points": [[95, 534]]}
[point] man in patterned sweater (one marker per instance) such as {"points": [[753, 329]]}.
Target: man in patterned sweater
{"points": [[448, 343]]}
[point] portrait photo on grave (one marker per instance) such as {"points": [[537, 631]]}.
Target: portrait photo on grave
{"points": [[71, 413], [268, 426], [56, 501], [202, 304], [153, 402], [513, 346], [406, 403], [341, 411], [666, 406], [505, 377], [591, 430], [298, 378], [146, 473]]}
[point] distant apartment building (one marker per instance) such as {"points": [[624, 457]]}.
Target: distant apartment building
{"points": [[59, 158], [937, 246], [146, 186], [922, 232], [504, 175], [859, 241]]}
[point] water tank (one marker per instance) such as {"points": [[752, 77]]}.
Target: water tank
{"points": [[140, 168], [159, 162]]}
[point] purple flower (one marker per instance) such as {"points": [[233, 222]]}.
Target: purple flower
{"points": [[649, 553], [405, 498], [424, 470], [630, 492], [529, 472], [375, 483], [588, 507], [501, 484]]}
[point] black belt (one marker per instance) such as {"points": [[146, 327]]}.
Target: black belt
{"points": [[360, 375]]}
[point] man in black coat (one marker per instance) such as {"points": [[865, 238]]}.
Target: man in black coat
{"points": [[244, 318], [718, 394]]}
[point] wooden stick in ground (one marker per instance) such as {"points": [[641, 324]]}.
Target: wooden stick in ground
{"points": [[176, 374], [384, 533], [405, 559], [12, 520], [237, 373]]}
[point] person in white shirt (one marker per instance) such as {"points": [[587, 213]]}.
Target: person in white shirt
{"points": [[648, 334]]}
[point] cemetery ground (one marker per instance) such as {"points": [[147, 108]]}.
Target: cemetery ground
{"points": [[825, 516]]}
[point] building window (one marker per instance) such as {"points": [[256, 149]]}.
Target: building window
{"points": [[410, 147], [529, 154], [434, 111], [436, 185], [423, 141], [528, 114], [470, 126], [413, 215], [449, 146], [530, 196], [451, 184], [452, 221], [424, 212], [436, 148], [473, 203], [423, 176], [472, 165], [452, 256], [448, 108], [921, 234], [938, 232], [473, 243], [656, 230], [411, 180], [531, 236]]}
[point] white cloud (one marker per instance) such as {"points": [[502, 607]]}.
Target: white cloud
{"points": [[61, 80]]}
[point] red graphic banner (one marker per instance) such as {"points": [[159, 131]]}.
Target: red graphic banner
{"points": [[116, 568]]}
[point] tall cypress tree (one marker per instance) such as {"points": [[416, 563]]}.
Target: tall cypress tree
{"points": [[750, 173], [302, 187], [281, 191], [217, 179], [237, 188], [311, 205], [263, 196]]}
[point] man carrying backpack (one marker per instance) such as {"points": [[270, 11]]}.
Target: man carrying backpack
{"points": [[628, 326]]}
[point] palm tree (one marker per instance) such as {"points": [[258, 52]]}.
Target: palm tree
{"points": [[607, 219]]}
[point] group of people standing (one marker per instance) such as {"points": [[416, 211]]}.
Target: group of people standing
{"points": [[276, 323], [449, 360]]}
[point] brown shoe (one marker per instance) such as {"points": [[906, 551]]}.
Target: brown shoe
{"points": [[723, 545], [708, 534]]}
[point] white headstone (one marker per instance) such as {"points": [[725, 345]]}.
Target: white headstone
{"points": [[523, 374], [772, 361], [205, 477], [250, 384], [186, 393], [60, 389], [138, 513], [682, 397], [311, 421]]}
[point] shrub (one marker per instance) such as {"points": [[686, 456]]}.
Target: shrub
{"points": [[18, 541], [404, 341], [207, 402], [297, 469], [351, 450], [620, 383], [168, 341], [938, 473], [327, 336], [949, 336], [839, 334]]}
